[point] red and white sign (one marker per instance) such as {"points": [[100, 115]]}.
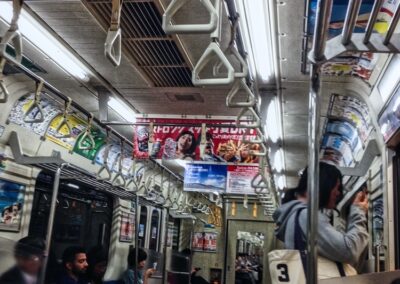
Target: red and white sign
{"points": [[239, 179]]}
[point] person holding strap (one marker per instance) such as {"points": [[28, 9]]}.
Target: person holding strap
{"points": [[340, 247]]}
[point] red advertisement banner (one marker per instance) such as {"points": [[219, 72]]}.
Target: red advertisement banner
{"points": [[176, 140]]}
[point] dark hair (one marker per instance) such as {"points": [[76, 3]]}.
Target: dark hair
{"points": [[8, 208], [96, 255], [187, 252], [142, 255], [29, 246], [70, 254], [328, 177], [192, 147]]}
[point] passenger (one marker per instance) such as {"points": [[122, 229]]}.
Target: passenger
{"points": [[75, 265], [129, 275], [344, 247], [28, 253], [6, 215], [97, 260], [194, 278], [209, 154]]}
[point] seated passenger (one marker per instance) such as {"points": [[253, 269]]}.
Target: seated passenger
{"points": [[28, 254], [342, 247], [97, 260], [75, 265], [133, 268]]}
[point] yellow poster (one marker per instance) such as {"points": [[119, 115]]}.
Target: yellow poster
{"points": [[65, 132]]}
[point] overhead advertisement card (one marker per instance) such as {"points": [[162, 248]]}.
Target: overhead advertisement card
{"points": [[239, 179], [174, 139], [205, 178]]}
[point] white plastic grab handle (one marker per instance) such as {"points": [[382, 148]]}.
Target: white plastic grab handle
{"points": [[237, 86], [38, 117], [175, 5], [3, 89], [243, 65], [259, 138], [213, 48], [112, 47], [203, 141], [256, 121]]}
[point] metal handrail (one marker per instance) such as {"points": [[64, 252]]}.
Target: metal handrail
{"points": [[393, 25], [105, 166], [372, 20], [240, 84], [256, 119], [13, 35], [203, 140], [35, 105], [175, 5], [350, 20], [112, 46]]}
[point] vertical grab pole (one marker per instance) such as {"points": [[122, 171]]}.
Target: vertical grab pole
{"points": [[324, 9], [164, 267], [137, 224], [226, 208], [51, 221]]}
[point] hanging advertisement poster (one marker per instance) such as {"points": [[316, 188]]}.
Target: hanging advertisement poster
{"points": [[99, 140], [223, 144], [239, 179], [66, 136], [205, 178], [337, 150], [127, 227], [354, 111], [210, 242], [377, 220], [21, 107], [198, 241], [11, 204], [350, 63], [344, 129]]}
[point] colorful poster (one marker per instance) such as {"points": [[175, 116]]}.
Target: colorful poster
{"points": [[351, 63], [354, 111], [127, 227], [19, 110], [205, 178], [11, 204], [337, 150], [377, 220], [198, 241], [346, 130], [223, 144], [210, 242], [114, 152], [68, 133], [239, 179], [99, 140]]}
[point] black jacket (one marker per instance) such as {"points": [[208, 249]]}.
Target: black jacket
{"points": [[12, 276]]}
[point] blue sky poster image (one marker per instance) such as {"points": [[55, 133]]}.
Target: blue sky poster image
{"points": [[11, 201], [205, 178]]}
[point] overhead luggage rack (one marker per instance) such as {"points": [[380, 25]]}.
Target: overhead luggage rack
{"points": [[89, 179]]}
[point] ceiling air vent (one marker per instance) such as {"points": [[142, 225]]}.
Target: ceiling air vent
{"points": [[193, 97]]}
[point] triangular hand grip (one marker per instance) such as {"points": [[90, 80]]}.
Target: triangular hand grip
{"points": [[38, 116], [240, 84], [107, 170], [14, 37], [256, 121], [112, 47], [86, 137], [64, 122], [243, 65], [212, 49], [175, 5], [3, 92]]}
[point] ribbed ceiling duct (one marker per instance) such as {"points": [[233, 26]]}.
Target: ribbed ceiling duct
{"points": [[143, 40]]}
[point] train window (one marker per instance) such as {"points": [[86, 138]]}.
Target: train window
{"points": [[83, 216], [154, 233], [142, 226]]}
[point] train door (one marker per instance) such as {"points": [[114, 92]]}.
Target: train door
{"points": [[396, 206], [248, 244], [154, 236]]}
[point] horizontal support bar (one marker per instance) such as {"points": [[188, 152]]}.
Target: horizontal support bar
{"points": [[175, 124]]}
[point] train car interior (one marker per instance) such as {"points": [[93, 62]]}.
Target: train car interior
{"points": [[178, 126]]}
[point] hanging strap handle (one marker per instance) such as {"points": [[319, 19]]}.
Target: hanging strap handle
{"points": [[87, 135], [13, 35], [237, 86], [64, 121], [105, 166], [203, 141], [35, 105], [119, 175], [256, 120], [112, 46], [150, 142]]}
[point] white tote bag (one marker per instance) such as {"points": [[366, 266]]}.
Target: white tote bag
{"points": [[286, 267]]}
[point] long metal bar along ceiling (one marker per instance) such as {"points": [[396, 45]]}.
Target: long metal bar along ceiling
{"points": [[144, 41]]}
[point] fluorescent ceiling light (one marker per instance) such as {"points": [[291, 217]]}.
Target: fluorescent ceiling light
{"points": [[390, 78], [280, 181], [278, 161], [32, 30], [73, 185], [122, 109], [272, 124], [256, 32]]}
